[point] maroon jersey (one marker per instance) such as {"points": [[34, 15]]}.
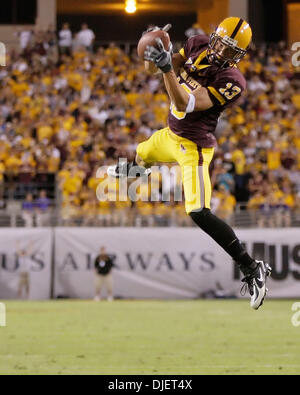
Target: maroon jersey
{"points": [[224, 86]]}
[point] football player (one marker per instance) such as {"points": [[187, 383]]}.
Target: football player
{"points": [[202, 80]]}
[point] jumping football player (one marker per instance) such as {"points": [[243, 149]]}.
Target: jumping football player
{"points": [[202, 80]]}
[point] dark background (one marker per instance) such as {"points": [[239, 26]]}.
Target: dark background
{"points": [[267, 18], [123, 27], [18, 12]]}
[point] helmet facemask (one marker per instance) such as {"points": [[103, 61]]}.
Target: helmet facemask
{"points": [[223, 51]]}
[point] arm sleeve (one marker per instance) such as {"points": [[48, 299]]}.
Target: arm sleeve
{"points": [[182, 53], [193, 45], [188, 47], [226, 90]]}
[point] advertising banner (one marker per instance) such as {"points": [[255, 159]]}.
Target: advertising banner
{"points": [[171, 262]]}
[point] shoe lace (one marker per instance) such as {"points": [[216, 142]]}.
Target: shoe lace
{"points": [[248, 284]]}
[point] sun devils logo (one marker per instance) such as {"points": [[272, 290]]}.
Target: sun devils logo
{"points": [[182, 148], [189, 63]]}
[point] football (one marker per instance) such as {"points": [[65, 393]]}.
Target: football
{"points": [[149, 39]]}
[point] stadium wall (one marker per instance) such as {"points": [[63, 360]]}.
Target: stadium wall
{"points": [[293, 14], [161, 263], [46, 13], [40, 242], [239, 8], [44, 16], [9, 37]]}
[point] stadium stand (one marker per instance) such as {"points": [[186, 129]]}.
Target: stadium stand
{"points": [[62, 117]]}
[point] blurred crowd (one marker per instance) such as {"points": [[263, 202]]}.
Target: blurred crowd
{"points": [[69, 107]]}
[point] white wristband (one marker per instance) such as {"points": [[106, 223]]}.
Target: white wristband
{"points": [[191, 104]]}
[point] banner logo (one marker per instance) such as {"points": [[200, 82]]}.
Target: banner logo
{"points": [[283, 258], [296, 56]]}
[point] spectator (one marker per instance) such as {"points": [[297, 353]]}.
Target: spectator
{"points": [[283, 213], [2, 171], [103, 275], [194, 30], [225, 179], [297, 209], [65, 40], [85, 38], [24, 260], [28, 210], [226, 204], [25, 37], [51, 40], [267, 211], [181, 219], [42, 209], [144, 215]]}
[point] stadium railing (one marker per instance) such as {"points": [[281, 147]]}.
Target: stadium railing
{"points": [[14, 216]]}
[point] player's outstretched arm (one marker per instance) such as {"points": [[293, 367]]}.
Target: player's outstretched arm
{"points": [[150, 67], [184, 101], [203, 101], [177, 61], [198, 100]]}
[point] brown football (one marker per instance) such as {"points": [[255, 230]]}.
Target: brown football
{"points": [[149, 39]]}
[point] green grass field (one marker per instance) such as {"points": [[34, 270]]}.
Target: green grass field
{"points": [[149, 337]]}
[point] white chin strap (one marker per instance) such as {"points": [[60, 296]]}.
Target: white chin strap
{"points": [[191, 104]]}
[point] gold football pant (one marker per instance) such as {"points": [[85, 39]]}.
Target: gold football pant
{"points": [[166, 146]]}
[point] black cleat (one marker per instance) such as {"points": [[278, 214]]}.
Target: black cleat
{"points": [[256, 284]]}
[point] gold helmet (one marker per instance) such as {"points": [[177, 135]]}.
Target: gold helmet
{"points": [[229, 43]]}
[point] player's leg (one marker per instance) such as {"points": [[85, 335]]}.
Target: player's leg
{"points": [[158, 148], [194, 165]]}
